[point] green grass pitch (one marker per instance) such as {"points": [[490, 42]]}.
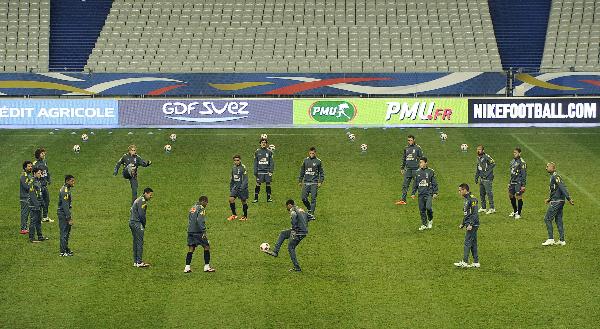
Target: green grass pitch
{"points": [[365, 263]]}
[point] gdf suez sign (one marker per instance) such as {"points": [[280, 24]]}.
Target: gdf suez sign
{"points": [[417, 111], [534, 110], [207, 108]]}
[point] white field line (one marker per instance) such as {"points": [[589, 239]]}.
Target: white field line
{"points": [[569, 180]]}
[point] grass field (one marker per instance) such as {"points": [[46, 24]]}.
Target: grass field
{"points": [[365, 263]]}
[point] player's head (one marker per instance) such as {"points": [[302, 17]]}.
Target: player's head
{"points": [[263, 143], [480, 149], [70, 180], [132, 149], [411, 140], [551, 167], [37, 173], [148, 193], [237, 160], [463, 189], [423, 163], [27, 166], [40, 153], [289, 204], [312, 152], [516, 152], [203, 200]]}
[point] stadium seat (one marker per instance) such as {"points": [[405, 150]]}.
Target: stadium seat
{"points": [[303, 36]]}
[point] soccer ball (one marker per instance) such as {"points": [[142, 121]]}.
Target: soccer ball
{"points": [[272, 147], [84, 137], [264, 136], [76, 148], [464, 147], [264, 246], [352, 137], [168, 148], [443, 137], [172, 137], [363, 147]]}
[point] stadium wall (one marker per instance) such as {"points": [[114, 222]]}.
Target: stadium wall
{"points": [[298, 113], [458, 84]]}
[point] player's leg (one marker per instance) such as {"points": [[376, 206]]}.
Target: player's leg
{"points": [[268, 180], [313, 198], [36, 224], [257, 188], [304, 196], [24, 215], [67, 236], [46, 203], [190, 254], [482, 194], [467, 245], [408, 174], [134, 186], [559, 222], [244, 209], [474, 250], [285, 234], [232, 206], [519, 197], [548, 218], [429, 207], [513, 200], [62, 223], [490, 193], [292, 244], [205, 244], [423, 211]]}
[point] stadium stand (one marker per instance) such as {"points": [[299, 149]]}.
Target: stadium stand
{"points": [[24, 35], [318, 36], [573, 37]]}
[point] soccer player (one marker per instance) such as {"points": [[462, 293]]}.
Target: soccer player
{"points": [[518, 179], [36, 203], [484, 176], [65, 221], [556, 202], [197, 235], [295, 235], [131, 161], [137, 224], [26, 181], [263, 169], [311, 178], [471, 223], [427, 186], [41, 163], [238, 188], [410, 165]]}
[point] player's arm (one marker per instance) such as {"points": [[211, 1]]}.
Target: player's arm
{"points": [[64, 205], [302, 170], [477, 173], [468, 220], [48, 177], [24, 184], [434, 184], [141, 211], [491, 164], [271, 163], [523, 173], [294, 218], [118, 165], [255, 163], [563, 188], [403, 160], [231, 181], [321, 173], [33, 198], [244, 179], [143, 162], [415, 185]]}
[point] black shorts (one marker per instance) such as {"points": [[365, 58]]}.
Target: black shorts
{"points": [[515, 189], [264, 178], [197, 239], [242, 194]]}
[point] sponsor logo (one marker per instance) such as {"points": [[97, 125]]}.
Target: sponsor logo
{"points": [[416, 111], [207, 111], [535, 110], [57, 112], [332, 111]]}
